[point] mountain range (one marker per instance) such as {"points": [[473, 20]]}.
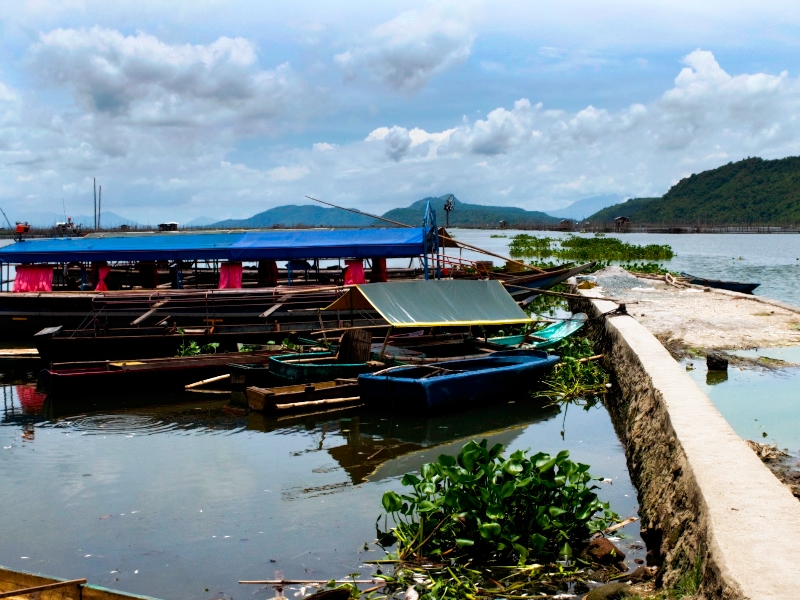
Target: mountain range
{"points": [[463, 215]]}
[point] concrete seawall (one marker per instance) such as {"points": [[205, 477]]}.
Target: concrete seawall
{"points": [[702, 491]]}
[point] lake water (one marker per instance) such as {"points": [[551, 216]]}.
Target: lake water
{"points": [[770, 259], [172, 501], [761, 404]]}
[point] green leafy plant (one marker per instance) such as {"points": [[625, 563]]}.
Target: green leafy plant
{"points": [[482, 506], [192, 348], [575, 376], [289, 345]]}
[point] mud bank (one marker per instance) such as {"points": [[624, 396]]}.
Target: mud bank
{"points": [[702, 491], [712, 319]]}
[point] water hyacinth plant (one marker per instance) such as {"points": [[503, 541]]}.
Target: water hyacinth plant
{"points": [[575, 376], [598, 247], [484, 507]]}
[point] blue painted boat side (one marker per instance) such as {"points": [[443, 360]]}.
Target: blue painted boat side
{"points": [[487, 378]]}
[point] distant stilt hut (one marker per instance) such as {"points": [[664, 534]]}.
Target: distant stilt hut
{"points": [[622, 224]]}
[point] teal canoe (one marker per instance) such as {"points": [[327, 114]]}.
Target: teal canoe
{"points": [[316, 366], [544, 338]]}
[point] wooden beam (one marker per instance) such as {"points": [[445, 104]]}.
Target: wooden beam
{"points": [[42, 588], [270, 310]]}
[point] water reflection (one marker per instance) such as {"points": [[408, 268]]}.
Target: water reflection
{"points": [[716, 377], [201, 494]]}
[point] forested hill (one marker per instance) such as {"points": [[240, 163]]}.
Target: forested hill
{"points": [[470, 215], [749, 191]]}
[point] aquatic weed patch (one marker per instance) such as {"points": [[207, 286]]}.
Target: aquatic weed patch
{"points": [[575, 377], [598, 247], [481, 525], [480, 506]]}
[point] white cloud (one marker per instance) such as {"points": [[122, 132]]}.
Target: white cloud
{"points": [[405, 52], [149, 82], [525, 153], [288, 173]]}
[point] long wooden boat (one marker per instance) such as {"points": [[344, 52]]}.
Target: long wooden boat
{"points": [[543, 339], [516, 285], [34, 585], [119, 377], [732, 286], [317, 366], [457, 383], [285, 398]]}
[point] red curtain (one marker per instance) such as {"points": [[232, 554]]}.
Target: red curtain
{"points": [[378, 273], [354, 272], [230, 276], [267, 273], [34, 278], [99, 273]]}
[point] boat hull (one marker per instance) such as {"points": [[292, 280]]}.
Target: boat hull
{"points": [[486, 378], [541, 281], [164, 375], [731, 286], [306, 372]]}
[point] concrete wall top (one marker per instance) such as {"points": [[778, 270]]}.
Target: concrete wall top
{"points": [[753, 521]]}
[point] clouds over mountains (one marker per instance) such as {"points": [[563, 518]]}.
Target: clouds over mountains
{"points": [[229, 126]]}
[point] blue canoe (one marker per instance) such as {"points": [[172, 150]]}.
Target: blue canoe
{"points": [[544, 338], [455, 383]]}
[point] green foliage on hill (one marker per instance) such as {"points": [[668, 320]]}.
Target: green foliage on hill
{"points": [[470, 215], [749, 191], [633, 209]]}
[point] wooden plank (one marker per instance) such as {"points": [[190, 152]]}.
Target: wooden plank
{"points": [[270, 310], [150, 312], [42, 588]]}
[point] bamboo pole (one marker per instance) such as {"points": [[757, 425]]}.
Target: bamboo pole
{"points": [[205, 381], [326, 402], [385, 341]]}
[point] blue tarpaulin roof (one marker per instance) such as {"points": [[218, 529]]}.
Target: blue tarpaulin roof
{"points": [[236, 246]]}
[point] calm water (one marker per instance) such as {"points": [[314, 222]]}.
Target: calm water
{"points": [[770, 259], [173, 500], [757, 401]]}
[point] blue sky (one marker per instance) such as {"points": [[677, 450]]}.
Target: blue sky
{"points": [[226, 108]]}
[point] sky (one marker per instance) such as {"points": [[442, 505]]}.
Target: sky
{"points": [[226, 108]]}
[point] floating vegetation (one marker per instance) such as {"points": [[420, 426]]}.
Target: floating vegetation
{"points": [[498, 236], [479, 506], [530, 245], [482, 525], [650, 268], [598, 247], [576, 376]]}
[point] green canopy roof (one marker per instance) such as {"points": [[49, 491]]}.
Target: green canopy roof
{"points": [[435, 303]]}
